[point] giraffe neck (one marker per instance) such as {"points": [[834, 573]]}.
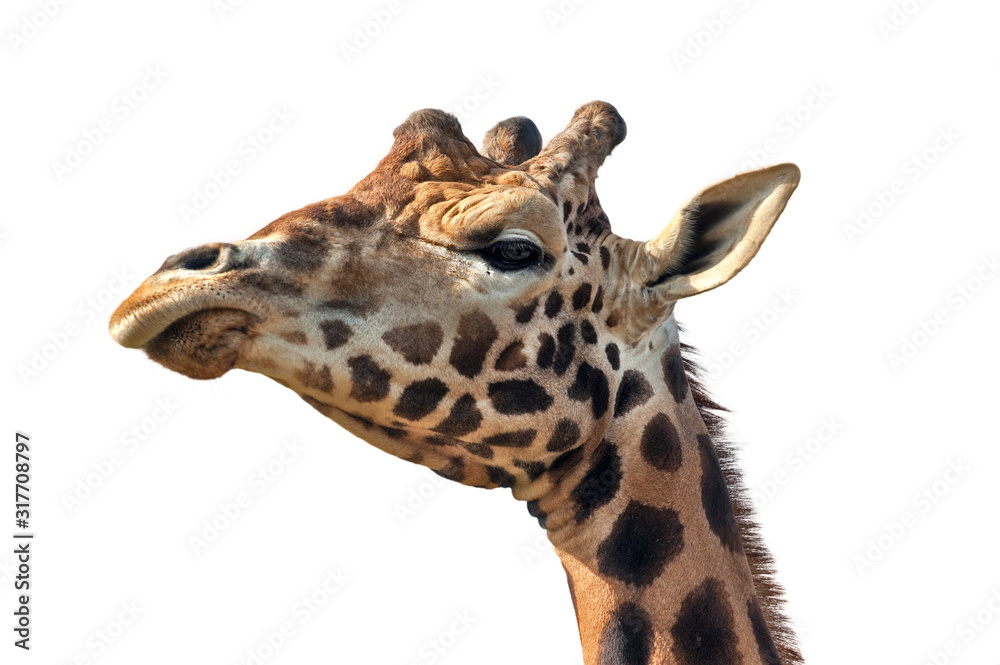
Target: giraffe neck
{"points": [[643, 524]]}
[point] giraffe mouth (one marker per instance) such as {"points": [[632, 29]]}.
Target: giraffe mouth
{"points": [[204, 344], [199, 337]]}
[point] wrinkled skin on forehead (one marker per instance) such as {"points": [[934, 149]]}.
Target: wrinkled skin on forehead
{"points": [[455, 309]]}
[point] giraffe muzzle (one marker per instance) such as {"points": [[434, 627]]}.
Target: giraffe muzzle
{"points": [[190, 314]]}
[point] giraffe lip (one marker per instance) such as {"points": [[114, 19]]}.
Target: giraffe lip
{"points": [[141, 319], [204, 344]]}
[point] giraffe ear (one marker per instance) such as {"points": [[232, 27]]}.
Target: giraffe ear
{"points": [[716, 233]]}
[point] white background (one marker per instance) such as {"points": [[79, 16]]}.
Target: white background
{"points": [[865, 101]]}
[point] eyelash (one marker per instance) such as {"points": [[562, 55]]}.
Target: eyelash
{"points": [[525, 255]]}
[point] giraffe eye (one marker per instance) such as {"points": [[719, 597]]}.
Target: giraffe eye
{"points": [[512, 254]]}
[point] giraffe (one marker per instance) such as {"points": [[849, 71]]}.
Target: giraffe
{"points": [[473, 312]]}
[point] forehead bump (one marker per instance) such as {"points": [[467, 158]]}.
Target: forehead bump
{"points": [[431, 122]]}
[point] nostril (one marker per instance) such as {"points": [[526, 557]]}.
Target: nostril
{"points": [[196, 258], [201, 259]]}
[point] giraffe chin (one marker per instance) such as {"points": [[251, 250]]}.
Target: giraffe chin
{"points": [[205, 344]]}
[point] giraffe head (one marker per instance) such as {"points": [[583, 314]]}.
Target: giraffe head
{"points": [[470, 312]]}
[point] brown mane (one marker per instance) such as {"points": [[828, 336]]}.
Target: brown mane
{"points": [[769, 591]]}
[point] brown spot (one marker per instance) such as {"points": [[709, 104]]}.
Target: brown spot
{"points": [[627, 638], [643, 540], [533, 469], [454, 470], [302, 249], [417, 343], [295, 337], [613, 319], [567, 460], [476, 334], [370, 382], [517, 439], [463, 419], [633, 391], [673, 372], [611, 350], [553, 304], [546, 350], [598, 303], [591, 385], [581, 296], [563, 436], [316, 378], [420, 398], [335, 333], [354, 306], [500, 477], [479, 449], [270, 284], [512, 357], [340, 211], [765, 643], [704, 633], [715, 498], [565, 349], [660, 444], [601, 483], [518, 397], [524, 313]]}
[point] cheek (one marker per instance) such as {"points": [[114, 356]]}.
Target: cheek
{"points": [[546, 389]]}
